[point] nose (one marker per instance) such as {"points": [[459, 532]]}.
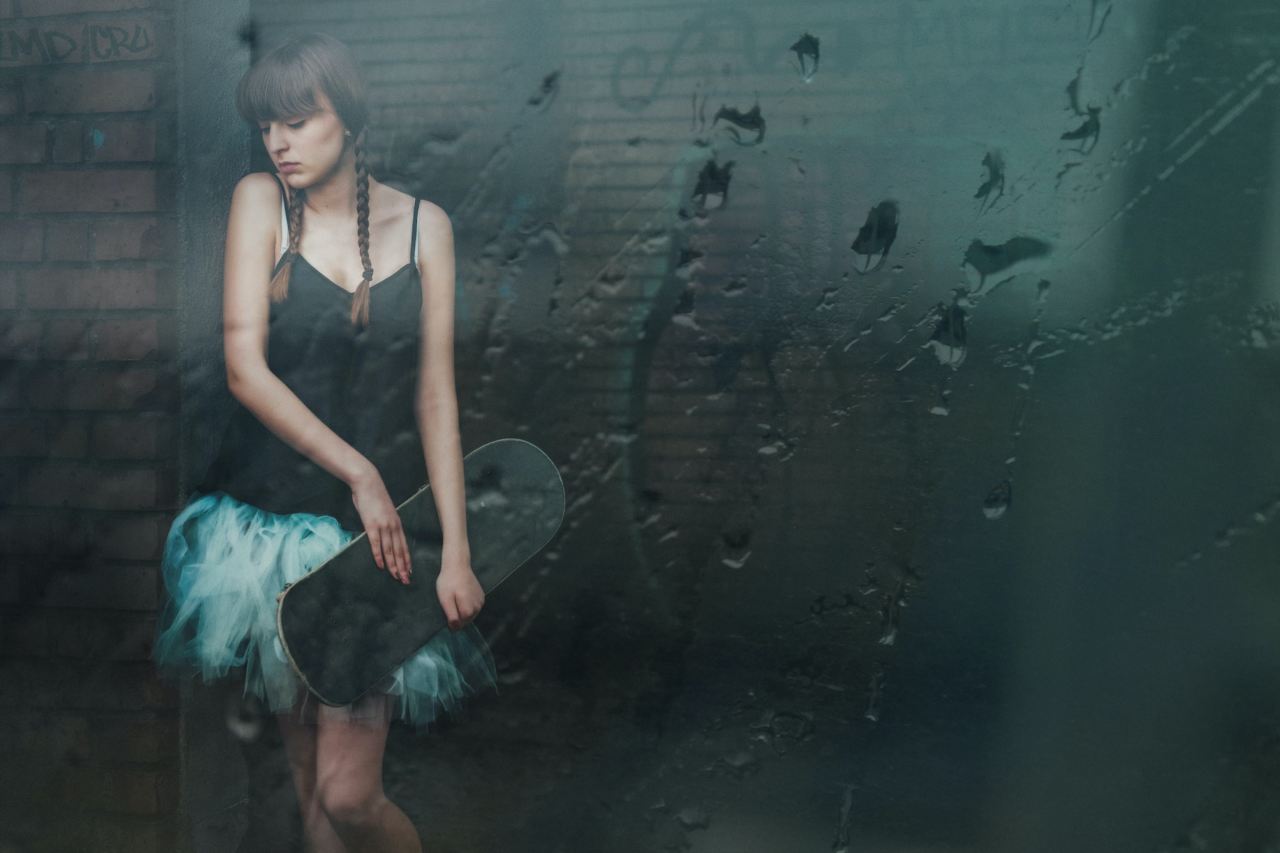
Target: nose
{"points": [[275, 141]]}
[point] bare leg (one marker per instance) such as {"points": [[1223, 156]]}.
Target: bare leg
{"points": [[349, 784], [300, 747]]}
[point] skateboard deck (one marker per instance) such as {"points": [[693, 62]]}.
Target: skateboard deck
{"points": [[346, 625]]}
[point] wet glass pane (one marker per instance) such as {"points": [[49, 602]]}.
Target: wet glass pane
{"points": [[903, 361], [911, 370]]}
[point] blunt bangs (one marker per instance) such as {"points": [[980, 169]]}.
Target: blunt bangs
{"points": [[273, 90]]}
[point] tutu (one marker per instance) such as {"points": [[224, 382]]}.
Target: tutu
{"points": [[224, 563]]}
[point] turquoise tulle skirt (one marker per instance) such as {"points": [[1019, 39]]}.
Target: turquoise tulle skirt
{"points": [[225, 561]]}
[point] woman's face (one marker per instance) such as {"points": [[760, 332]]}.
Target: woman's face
{"points": [[314, 142]]}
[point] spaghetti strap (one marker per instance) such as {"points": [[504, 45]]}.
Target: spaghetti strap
{"points": [[284, 217], [413, 239]]}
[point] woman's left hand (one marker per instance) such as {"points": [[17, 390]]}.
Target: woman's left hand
{"points": [[460, 593]]}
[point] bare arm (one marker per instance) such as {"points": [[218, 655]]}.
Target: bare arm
{"points": [[250, 245], [436, 399]]}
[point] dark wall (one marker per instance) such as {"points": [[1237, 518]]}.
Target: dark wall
{"points": [[889, 547], [908, 366]]}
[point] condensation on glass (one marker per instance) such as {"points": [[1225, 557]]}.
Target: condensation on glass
{"points": [[911, 367]]}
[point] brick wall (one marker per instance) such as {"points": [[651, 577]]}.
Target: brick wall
{"points": [[684, 437], [87, 422]]}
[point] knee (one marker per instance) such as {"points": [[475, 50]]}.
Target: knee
{"points": [[348, 805]]}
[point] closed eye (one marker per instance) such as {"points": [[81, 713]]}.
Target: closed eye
{"points": [[295, 125]]}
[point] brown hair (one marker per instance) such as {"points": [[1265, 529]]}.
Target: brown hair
{"points": [[283, 83]]}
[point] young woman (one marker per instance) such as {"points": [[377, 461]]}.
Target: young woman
{"points": [[342, 417]]}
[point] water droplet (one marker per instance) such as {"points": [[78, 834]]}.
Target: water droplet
{"points": [[806, 50], [998, 500], [693, 817]]}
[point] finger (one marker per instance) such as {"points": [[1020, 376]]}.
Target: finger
{"points": [[373, 546], [450, 610], [379, 553], [389, 551], [384, 548], [393, 548], [402, 544]]}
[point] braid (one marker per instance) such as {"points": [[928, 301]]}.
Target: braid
{"points": [[280, 284], [360, 305]]}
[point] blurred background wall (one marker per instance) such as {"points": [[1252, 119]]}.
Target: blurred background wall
{"points": [[911, 368]]}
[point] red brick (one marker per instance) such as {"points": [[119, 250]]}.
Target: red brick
{"points": [[76, 485], [28, 45], [130, 436], [22, 240], [91, 90], [91, 289], [67, 339], [19, 337], [10, 96], [128, 238], [66, 685], [68, 142], [83, 536], [135, 339], [145, 740], [66, 241], [125, 835], [137, 536], [54, 536], [123, 141], [84, 41], [44, 8], [23, 143], [88, 736], [48, 435], [66, 736], [108, 387], [118, 789], [78, 630], [89, 191]]}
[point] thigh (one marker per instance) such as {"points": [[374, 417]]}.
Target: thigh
{"points": [[349, 752], [300, 748]]}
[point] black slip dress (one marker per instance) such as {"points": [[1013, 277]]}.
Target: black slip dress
{"points": [[360, 381]]}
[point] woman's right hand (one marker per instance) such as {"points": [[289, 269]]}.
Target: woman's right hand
{"points": [[382, 524]]}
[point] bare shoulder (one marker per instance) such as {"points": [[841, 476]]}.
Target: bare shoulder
{"points": [[253, 221], [435, 233], [432, 220], [427, 207], [255, 202], [256, 186]]}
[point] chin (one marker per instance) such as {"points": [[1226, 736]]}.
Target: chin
{"points": [[296, 180]]}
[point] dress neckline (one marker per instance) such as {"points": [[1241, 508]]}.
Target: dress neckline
{"points": [[333, 283]]}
